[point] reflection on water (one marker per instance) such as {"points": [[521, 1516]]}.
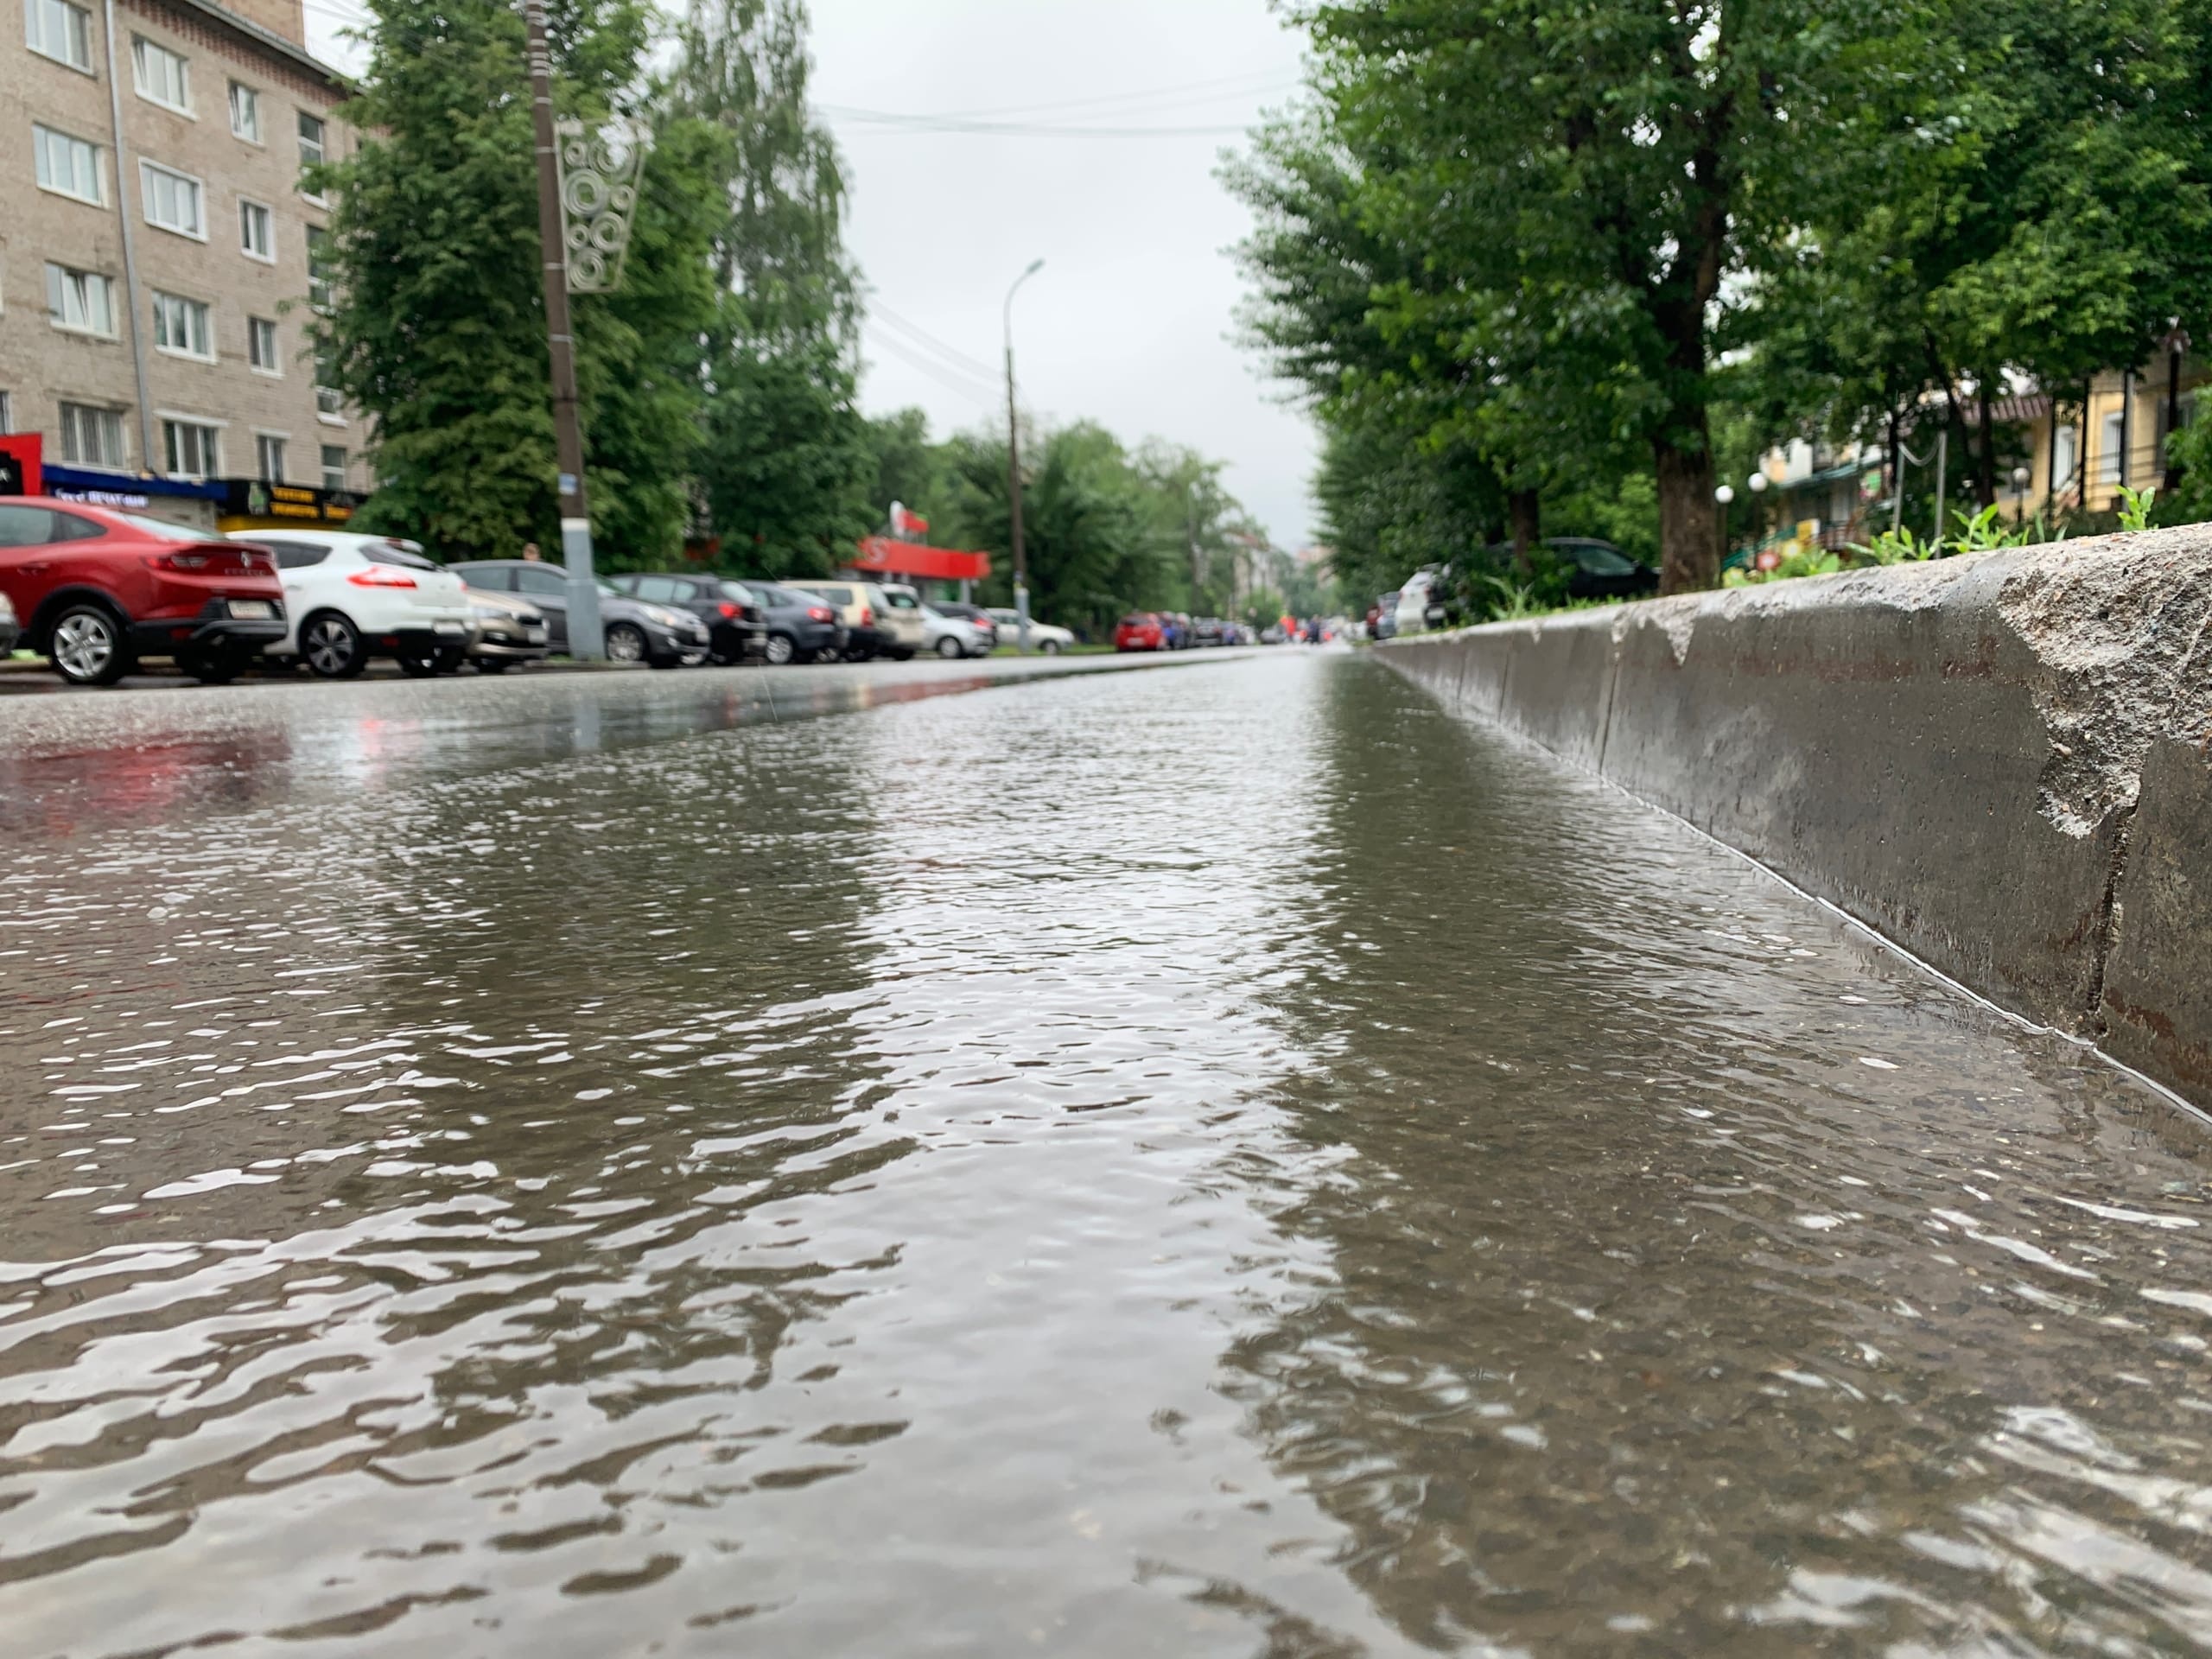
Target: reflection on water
{"points": [[1225, 1163]]}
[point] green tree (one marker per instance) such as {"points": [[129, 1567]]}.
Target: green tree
{"points": [[1575, 188], [436, 328], [2034, 205], [787, 465]]}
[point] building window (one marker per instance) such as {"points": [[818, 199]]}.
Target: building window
{"points": [[256, 231], [82, 301], [56, 30], [268, 457], [2066, 457], [68, 166], [333, 467], [163, 77], [261, 345], [318, 267], [245, 112], [92, 437], [313, 132], [173, 200], [193, 451], [329, 402], [180, 327], [2115, 436]]}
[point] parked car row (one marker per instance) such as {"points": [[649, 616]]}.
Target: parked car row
{"points": [[1564, 567], [97, 591], [1174, 631]]}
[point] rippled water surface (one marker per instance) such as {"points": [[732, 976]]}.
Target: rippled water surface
{"points": [[1213, 1160]]}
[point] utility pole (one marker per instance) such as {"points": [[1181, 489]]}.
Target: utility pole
{"points": [[1013, 471], [586, 640]]}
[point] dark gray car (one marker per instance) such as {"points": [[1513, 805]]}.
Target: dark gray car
{"points": [[636, 632]]}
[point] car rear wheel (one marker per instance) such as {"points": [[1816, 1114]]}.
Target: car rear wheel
{"points": [[625, 643], [1051, 647], [951, 649], [87, 646], [332, 647], [781, 650]]}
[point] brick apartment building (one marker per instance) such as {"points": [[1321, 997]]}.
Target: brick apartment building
{"points": [[157, 254]]}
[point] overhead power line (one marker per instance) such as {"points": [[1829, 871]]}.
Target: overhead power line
{"points": [[878, 312], [985, 394], [893, 122], [1252, 84]]}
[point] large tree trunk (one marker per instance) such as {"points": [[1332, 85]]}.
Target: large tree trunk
{"points": [[1527, 507], [1689, 534]]}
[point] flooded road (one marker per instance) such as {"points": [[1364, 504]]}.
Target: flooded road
{"points": [[1215, 1161]]}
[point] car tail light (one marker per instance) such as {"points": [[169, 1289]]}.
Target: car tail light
{"points": [[178, 561], [867, 617], [728, 610], [381, 575], [819, 613]]}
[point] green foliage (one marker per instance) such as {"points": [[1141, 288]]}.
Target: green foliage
{"points": [[436, 331], [1107, 529], [1549, 260], [1898, 546], [2135, 508], [1505, 227], [787, 468]]}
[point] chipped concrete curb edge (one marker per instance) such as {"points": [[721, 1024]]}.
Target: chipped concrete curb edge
{"points": [[2003, 762]]}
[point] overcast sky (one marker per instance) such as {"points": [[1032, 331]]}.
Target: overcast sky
{"points": [[1130, 322]]}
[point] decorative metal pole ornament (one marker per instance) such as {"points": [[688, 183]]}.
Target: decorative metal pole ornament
{"points": [[599, 201]]}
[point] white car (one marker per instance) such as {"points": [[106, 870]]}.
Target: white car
{"points": [[349, 597], [1420, 607], [1043, 636], [954, 637]]}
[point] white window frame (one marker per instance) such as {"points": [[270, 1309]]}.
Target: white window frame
{"points": [[83, 279], [36, 12], [318, 272], [142, 50], [261, 441], [252, 97], [147, 172], [2112, 432], [188, 309], [171, 421], [274, 366], [42, 138], [68, 427], [329, 401], [346, 460], [321, 143], [247, 208]]}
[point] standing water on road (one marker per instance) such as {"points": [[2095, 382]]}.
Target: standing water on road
{"points": [[1220, 1160]]}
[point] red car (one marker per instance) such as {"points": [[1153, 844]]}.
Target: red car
{"points": [[98, 589], [1141, 630]]}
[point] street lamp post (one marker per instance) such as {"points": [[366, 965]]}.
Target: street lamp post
{"points": [[586, 643], [1725, 496], [1013, 473]]}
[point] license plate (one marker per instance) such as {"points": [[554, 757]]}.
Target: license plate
{"points": [[535, 636], [450, 628], [253, 610]]}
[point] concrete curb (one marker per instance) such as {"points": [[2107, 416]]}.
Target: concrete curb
{"points": [[2002, 762]]}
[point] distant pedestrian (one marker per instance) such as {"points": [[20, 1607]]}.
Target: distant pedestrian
{"points": [[531, 553]]}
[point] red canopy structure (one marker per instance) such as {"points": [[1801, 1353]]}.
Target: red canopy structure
{"points": [[882, 557]]}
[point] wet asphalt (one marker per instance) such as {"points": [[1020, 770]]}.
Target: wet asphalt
{"points": [[1217, 1158]]}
